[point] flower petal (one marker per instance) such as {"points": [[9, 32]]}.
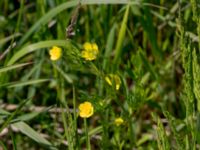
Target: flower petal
{"points": [[86, 110]]}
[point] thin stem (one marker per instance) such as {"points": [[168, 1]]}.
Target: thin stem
{"points": [[75, 118], [74, 105], [87, 135]]}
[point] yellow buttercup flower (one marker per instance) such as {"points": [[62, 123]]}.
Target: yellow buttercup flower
{"points": [[90, 51], [119, 121], [113, 79], [55, 53], [86, 110]]}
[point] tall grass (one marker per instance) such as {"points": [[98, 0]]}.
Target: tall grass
{"points": [[144, 84]]}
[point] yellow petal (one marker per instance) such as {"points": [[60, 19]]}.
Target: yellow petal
{"points": [[117, 81], [90, 51], [108, 80], [86, 110], [87, 46], [55, 53], [95, 47], [113, 80], [119, 121]]}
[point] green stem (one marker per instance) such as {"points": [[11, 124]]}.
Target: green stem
{"points": [[75, 118], [87, 135], [74, 105], [20, 15], [132, 138]]}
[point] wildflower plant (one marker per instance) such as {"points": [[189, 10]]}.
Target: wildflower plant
{"points": [[139, 69], [90, 51], [55, 53], [119, 121], [113, 80], [86, 109]]}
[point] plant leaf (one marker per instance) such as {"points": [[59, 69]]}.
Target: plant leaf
{"points": [[30, 132]]}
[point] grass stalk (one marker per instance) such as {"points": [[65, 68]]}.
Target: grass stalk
{"points": [[8, 120], [87, 134], [121, 36]]}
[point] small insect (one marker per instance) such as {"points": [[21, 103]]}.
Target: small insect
{"points": [[70, 28]]}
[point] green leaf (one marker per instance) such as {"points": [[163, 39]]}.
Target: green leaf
{"points": [[31, 115], [8, 38], [31, 133], [7, 68], [145, 137], [20, 83], [3, 145], [173, 125], [163, 142], [55, 11], [93, 132], [3, 112], [7, 121], [45, 19], [147, 23], [121, 36], [148, 66], [37, 46], [109, 46], [196, 78], [66, 77]]}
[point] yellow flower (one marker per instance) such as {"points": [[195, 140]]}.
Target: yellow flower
{"points": [[119, 121], [55, 53], [90, 51], [86, 110], [113, 79]]}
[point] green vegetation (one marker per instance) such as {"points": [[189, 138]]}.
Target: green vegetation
{"points": [[106, 74]]}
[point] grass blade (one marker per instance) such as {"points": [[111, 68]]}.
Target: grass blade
{"points": [[66, 77], [13, 114], [8, 68], [44, 20], [121, 36], [147, 23], [162, 139], [2, 145], [33, 47], [55, 11], [148, 66], [27, 130], [109, 46], [30, 82]]}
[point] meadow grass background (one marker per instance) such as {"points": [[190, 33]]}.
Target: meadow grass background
{"points": [[153, 46]]}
